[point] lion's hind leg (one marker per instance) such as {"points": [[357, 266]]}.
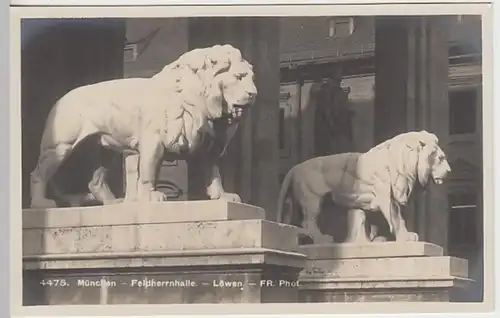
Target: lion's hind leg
{"points": [[50, 159], [99, 188], [311, 204], [48, 163]]}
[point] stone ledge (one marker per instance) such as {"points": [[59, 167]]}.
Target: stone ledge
{"points": [[192, 258], [371, 250], [161, 237], [382, 282], [140, 213], [403, 295], [368, 269]]}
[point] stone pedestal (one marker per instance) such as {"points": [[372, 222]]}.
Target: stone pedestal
{"points": [[161, 253], [386, 271]]}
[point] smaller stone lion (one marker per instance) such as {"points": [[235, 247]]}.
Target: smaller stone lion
{"points": [[381, 179], [193, 106]]}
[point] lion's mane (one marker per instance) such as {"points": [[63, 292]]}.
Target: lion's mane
{"points": [[406, 158], [195, 97]]}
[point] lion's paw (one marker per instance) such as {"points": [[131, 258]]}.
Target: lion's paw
{"points": [[155, 196], [231, 197], [43, 203], [412, 236], [322, 239], [408, 237], [380, 239], [214, 192], [315, 236], [115, 201]]}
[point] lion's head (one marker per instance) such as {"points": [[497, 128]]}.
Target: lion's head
{"points": [[232, 87], [421, 157], [432, 160], [413, 156], [218, 78]]}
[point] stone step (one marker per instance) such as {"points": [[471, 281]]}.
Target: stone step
{"points": [[370, 250], [160, 237], [385, 268], [140, 213]]}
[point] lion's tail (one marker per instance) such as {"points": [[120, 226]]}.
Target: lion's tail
{"points": [[285, 187]]}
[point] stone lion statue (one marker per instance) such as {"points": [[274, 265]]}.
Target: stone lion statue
{"points": [[192, 106], [381, 179]]}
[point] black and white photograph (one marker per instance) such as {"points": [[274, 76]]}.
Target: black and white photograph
{"points": [[252, 159]]}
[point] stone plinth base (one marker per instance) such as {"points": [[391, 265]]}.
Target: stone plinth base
{"points": [[161, 253], [386, 271]]}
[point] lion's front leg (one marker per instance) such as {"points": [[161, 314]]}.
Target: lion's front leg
{"points": [[131, 177], [151, 151], [401, 232], [215, 190], [356, 231]]}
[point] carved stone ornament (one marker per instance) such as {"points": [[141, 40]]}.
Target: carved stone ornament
{"points": [[193, 106], [381, 179]]}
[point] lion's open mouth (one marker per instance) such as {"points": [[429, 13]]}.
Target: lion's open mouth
{"points": [[438, 180], [238, 111]]}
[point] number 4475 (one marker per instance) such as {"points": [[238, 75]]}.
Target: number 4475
{"points": [[54, 282]]}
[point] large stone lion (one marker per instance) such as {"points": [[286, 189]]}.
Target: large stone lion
{"points": [[381, 179], [192, 106]]}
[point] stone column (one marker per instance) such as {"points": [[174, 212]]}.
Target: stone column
{"points": [[411, 93], [250, 166], [55, 59]]}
